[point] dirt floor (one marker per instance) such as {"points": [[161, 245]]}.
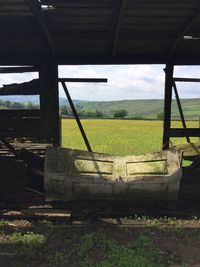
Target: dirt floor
{"points": [[137, 242]]}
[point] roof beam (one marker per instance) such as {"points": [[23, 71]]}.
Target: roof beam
{"points": [[184, 30], [35, 8], [118, 13]]}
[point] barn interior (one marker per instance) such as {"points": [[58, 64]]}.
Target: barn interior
{"points": [[39, 35]]}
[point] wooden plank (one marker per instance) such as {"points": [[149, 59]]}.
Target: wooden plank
{"points": [[80, 12], [32, 159], [18, 123], [18, 69], [186, 79], [189, 132], [23, 113], [83, 80], [159, 12], [19, 127], [79, 3]]}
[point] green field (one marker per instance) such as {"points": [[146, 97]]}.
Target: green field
{"points": [[122, 137]]}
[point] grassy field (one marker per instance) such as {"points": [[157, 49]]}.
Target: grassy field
{"points": [[122, 137]]}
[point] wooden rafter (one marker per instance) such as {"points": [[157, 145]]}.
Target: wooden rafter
{"points": [[118, 13], [36, 10], [184, 30]]}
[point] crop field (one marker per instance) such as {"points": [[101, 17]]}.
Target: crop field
{"points": [[121, 137]]}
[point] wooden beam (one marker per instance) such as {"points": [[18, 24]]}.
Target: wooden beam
{"points": [[183, 31], [179, 132], [83, 80], [35, 7], [180, 109], [19, 127], [23, 113], [118, 12], [196, 80], [96, 59], [167, 104], [18, 69], [49, 102]]}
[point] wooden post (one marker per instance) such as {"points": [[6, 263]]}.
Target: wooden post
{"points": [[167, 104], [49, 101], [199, 127]]}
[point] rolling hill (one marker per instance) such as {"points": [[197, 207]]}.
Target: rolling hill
{"points": [[145, 108]]}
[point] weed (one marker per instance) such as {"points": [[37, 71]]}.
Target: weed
{"points": [[59, 259], [26, 245]]}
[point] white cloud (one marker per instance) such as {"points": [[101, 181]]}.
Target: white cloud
{"points": [[124, 81]]}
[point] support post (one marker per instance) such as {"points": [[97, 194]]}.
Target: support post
{"points": [[180, 109], [167, 104], [77, 117], [49, 101]]}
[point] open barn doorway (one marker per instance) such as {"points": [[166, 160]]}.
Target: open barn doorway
{"points": [[123, 116], [138, 92]]}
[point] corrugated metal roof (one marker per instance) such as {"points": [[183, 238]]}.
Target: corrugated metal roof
{"points": [[100, 31]]}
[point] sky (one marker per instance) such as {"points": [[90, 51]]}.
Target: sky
{"points": [[124, 81]]}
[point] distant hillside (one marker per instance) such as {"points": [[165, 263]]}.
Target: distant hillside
{"points": [[146, 108]]}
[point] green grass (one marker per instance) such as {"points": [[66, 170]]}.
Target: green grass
{"points": [[155, 243], [63, 245], [122, 137]]}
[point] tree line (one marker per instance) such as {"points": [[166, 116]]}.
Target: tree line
{"points": [[91, 113], [6, 104], [65, 110]]}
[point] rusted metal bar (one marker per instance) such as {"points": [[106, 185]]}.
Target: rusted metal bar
{"points": [[77, 117], [180, 109]]}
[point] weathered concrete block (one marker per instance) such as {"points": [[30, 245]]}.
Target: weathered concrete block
{"points": [[74, 173], [103, 188]]}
